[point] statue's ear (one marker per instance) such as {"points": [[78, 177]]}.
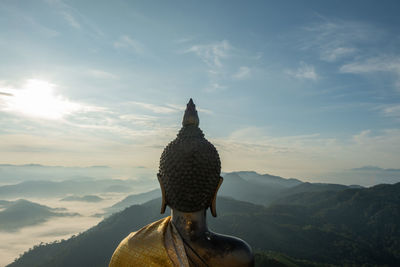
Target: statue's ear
{"points": [[213, 205], [163, 199]]}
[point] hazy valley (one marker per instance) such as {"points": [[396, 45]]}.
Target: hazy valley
{"points": [[46, 203], [299, 219]]}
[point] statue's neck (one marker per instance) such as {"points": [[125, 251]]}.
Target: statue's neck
{"points": [[190, 225]]}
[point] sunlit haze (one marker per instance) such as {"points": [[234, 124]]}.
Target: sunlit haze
{"points": [[297, 89], [38, 99]]}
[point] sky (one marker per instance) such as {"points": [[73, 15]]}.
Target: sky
{"points": [[305, 89]]}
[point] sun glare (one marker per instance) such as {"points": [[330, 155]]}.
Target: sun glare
{"points": [[39, 99]]}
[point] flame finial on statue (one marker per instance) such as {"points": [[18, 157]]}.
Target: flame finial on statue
{"points": [[190, 117]]}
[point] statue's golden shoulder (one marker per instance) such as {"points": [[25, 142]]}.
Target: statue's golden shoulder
{"points": [[143, 248]]}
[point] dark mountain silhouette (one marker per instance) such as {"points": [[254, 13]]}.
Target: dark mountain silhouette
{"points": [[260, 193], [264, 189], [132, 200], [349, 227], [245, 185], [22, 213], [255, 188], [252, 176], [312, 187]]}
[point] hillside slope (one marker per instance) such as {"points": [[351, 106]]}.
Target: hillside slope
{"points": [[353, 226], [247, 186], [22, 213]]}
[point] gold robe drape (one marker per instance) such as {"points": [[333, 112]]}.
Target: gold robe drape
{"points": [[157, 244]]}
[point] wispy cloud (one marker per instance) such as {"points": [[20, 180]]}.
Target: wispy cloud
{"points": [[66, 12], [102, 74], [378, 148], [225, 63], [335, 39], [144, 120], [305, 71], [336, 53], [38, 107], [126, 42], [307, 155], [212, 54], [32, 23], [214, 87], [390, 110], [254, 148], [161, 109], [71, 20], [184, 40], [109, 134], [242, 73], [389, 64], [73, 17], [375, 64], [360, 137], [215, 56]]}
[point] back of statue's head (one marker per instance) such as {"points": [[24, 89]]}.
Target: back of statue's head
{"points": [[190, 167]]}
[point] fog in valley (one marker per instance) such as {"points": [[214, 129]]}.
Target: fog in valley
{"points": [[81, 204]]}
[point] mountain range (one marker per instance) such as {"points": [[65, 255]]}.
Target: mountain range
{"points": [[248, 186], [352, 226], [87, 198], [41, 188]]}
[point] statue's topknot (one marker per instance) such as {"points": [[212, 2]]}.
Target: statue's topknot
{"points": [[190, 167], [190, 117]]}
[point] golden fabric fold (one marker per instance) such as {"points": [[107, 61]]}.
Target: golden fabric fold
{"points": [[157, 244], [175, 246]]}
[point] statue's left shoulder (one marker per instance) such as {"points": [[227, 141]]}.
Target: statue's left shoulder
{"points": [[235, 252], [242, 254]]}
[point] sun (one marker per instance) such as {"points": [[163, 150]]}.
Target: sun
{"points": [[38, 99]]}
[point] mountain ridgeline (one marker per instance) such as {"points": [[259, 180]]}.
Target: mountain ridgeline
{"points": [[87, 198], [246, 186], [40, 188], [21, 213], [342, 226]]}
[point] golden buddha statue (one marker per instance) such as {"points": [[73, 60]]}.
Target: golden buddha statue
{"points": [[189, 177]]}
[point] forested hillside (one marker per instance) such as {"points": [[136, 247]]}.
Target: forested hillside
{"points": [[352, 226]]}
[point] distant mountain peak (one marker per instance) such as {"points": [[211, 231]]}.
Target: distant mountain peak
{"points": [[254, 177], [375, 168], [22, 213], [368, 168]]}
